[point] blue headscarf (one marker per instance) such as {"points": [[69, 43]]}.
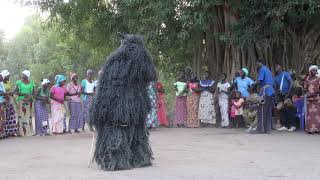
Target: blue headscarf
{"points": [[59, 79]]}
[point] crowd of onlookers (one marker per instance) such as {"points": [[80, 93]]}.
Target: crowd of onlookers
{"points": [[26, 109], [259, 103], [255, 103]]}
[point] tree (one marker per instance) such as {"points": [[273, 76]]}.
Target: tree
{"points": [[220, 35], [48, 52]]}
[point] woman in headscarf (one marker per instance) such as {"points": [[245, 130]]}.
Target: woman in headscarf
{"points": [[41, 109], [243, 83], [193, 102], [207, 112], [58, 93], [88, 90], [75, 104], [11, 123], [65, 107], [25, 90], [312, 87]]}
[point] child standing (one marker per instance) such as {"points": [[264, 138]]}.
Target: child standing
{"points": [[237, 111], [223, 89]]}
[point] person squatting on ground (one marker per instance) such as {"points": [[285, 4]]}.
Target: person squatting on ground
{"points": [[120, 108], [251, 108]]}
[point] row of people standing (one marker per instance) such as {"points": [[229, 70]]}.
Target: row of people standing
{"points": [[205, 101], [196, 101], [50, 104]]}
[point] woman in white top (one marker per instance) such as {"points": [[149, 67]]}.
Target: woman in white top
{"points": [[88, 88], [223, 89]]}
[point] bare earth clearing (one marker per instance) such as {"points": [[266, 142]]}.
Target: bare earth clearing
{"points": [[213, 154]]}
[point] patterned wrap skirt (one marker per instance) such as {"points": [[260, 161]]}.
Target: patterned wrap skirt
{"points": [[193, 108], [41, 118], [76, 116], [11, 122], [86, 108], [180, 111], [313, 116], [2, 117], [58, 116], [207, 112]]}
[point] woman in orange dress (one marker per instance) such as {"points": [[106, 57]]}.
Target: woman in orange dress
{"points": [[312, 86], [193, 102], [161, 105]]}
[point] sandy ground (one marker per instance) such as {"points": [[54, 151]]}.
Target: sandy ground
{"points": [[215, 154]]}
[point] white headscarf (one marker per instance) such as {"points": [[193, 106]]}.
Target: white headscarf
{"points": [[45, 81], [26, 73], [5, 73], [312, 67]]}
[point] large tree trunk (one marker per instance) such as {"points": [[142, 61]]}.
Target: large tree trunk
{"points": [[197, 53]]}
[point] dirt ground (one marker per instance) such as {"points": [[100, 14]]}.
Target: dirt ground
{"points": [[213, 154]]}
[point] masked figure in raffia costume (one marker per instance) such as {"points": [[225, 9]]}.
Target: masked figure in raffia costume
{"points": [[121, 106]]}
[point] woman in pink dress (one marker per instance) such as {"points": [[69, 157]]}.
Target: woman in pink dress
{"points": [[162, 110], [193, 102], [58, 94]]}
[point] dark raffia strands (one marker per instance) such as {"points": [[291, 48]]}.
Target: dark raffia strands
{"points": [[121, 105]]}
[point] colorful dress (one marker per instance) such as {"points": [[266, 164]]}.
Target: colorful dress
{"points": [[75, 107], [41, 113], [25, 105], [207, 112], [2, 117], [224, 103], [11, 123], [58, 110], [313, 105], [192, 106], [87, 87], [161, 106], [152, 117], [181, 104]]}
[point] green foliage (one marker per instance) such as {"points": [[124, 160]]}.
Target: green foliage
{"points": [[263, 19], [79, 33], [48, 52]]}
